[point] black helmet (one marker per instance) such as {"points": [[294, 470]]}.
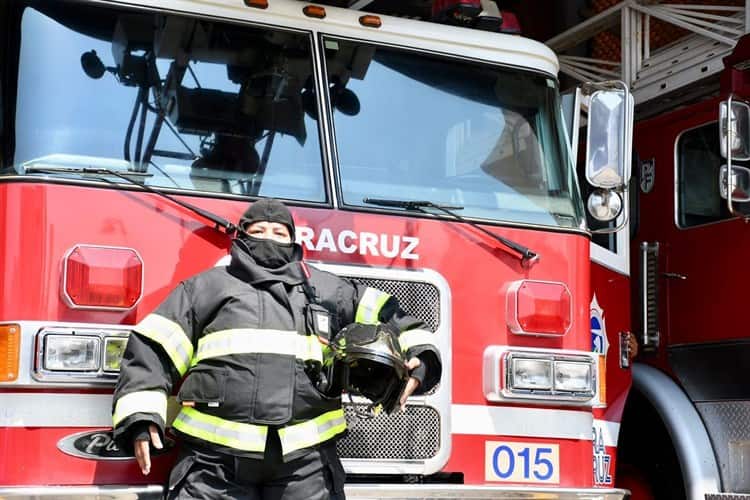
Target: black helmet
{"points": [[369, 363]]}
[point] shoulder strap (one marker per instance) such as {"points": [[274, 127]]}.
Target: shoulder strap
{"points": [[306, 286]]}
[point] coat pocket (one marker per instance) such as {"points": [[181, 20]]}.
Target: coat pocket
{"points": [[178, 475], [204, 385], [274, 390]]}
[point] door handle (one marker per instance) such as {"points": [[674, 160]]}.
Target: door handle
{"points": [[674, 276]]}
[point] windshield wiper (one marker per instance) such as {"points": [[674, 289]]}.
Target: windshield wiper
{"points": [[220, 222], [528, 256]]}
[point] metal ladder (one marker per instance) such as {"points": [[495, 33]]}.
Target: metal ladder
{"points": [[714, 31]]}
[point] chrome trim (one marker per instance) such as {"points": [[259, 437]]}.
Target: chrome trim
{"points": [[551, 394], [467, 492], [384, 491], [729, 151], [440, 397], [700, 473], [496, 382], [69, 301], [650, 338], [114, 492], [100, 376]]}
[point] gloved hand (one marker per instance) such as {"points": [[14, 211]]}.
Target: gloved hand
{"points": [[145, 434], [416, 375]]}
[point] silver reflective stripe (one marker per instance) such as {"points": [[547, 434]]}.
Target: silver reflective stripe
{"points": [[370, 305], [314, 431], [140, 402], [246, 437], [411, 338], [170, 336], [252, 340]]}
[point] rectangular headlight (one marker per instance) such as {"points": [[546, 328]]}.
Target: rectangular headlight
{"points": [[574, 376], [71, 353], [114, 347], [530, 373]]}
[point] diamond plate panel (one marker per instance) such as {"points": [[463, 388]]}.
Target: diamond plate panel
{"points": [[410, 435], [728, 424]]}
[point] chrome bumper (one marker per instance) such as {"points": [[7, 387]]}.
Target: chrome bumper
{"points": [[359, 491]]}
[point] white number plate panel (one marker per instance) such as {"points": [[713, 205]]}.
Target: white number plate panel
{"points": [[521, 462]]}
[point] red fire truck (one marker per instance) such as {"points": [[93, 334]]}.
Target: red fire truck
{"points": [[427, 160], [684, 432]]}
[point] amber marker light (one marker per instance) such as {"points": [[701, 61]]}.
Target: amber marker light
{"points": [[602, 379], [314, 11], [10, 345], [370, 21], [258, 4]]}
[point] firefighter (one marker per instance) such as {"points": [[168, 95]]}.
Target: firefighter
{"points": [[248, 341]]}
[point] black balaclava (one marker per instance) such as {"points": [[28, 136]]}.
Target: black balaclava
{"points": [[268, 253]]}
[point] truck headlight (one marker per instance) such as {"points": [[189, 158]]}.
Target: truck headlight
{"points": [[531, 374], [71, 353], [79, 355], [574, 376], [114, 347], [543, 376]]}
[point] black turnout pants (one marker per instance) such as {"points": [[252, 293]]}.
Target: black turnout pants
{"points": [[200, 473]]}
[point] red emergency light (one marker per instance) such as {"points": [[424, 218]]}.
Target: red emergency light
{"points": [[539, 308], [100, 277]]}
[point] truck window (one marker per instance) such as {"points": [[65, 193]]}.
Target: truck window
{"points": [[698, 165], [422, 127], [191, 104]]}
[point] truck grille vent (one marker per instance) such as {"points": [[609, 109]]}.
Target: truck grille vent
{"points": [[421, 300], [410, 435]]}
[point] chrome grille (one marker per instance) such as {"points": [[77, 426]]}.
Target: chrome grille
{"points": [[421, 300], [410, 435]]}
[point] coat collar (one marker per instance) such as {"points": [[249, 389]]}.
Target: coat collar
{"points": [[244, 267]]}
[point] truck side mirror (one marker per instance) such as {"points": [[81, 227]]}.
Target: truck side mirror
{"points": [[734, 128], [734, 145], [607, 108], [740, 183], [607, 138]]}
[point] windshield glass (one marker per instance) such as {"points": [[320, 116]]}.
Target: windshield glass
{"points": [[196, 105], [411, 126]]}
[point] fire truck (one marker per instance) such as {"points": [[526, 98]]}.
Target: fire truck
{"points": [[432, 161], [684, 431]]}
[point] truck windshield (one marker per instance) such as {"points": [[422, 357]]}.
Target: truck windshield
{"points": [[412, 126], [190, 104]]}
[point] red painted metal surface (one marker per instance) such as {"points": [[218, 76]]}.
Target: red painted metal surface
{"points": [[612, 292], [40, 222], [695, 309]]}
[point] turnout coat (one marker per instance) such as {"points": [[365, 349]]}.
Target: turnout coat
{"points": [[237, 339]]}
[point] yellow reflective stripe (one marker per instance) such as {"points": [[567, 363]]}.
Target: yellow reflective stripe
{"points": [[370, 304], [252, 340], [411, 338], [314, 431], [246, 437], [170, 336], [140, 402]]}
